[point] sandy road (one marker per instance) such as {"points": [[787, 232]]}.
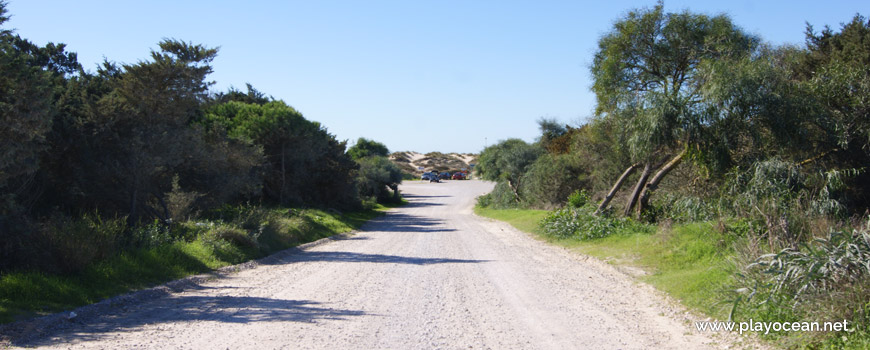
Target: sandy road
{"points": [[429, 275]]}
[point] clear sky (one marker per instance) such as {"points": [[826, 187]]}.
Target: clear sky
{"points": [[417, 75]]}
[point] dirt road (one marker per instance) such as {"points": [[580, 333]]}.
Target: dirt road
{"points": [[429, 275]]}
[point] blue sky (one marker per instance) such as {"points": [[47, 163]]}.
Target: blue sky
{"points": [[449, 76]]}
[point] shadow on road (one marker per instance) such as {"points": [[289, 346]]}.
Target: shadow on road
{"points": [[373, 258], [227, 309], [399, 222], [416, 201]]}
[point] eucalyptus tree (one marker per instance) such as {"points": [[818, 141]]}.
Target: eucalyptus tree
{"points": [[647, 76]]}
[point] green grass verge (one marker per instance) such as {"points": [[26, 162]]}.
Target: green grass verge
{"points": [[525, 220], [28, 294], [690, 262]]}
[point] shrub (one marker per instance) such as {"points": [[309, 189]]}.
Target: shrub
{"points": [[681, 208], [842, 258], [551, 179], [74, 243], [826, 280], [501, 197], [578, 199], [582, 224], [236, 236]]}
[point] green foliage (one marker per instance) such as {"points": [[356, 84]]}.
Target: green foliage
{"points": [[379, 178], [842, 258], [252, 96], [648, 78], [578, 199], [777, 199], [549, 181], [582, 224], [93, 270], [507, 162], [825, 280], [367, 148], [26, 111], [501, 197], [304, 163], [682, 209]]}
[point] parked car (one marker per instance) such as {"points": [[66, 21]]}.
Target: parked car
{"points": [[428, 176], [444, 176], [458, 176]]}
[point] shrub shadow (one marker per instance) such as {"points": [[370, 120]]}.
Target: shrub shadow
{"points": [[373, 258], [400, 222], [228, 309]]}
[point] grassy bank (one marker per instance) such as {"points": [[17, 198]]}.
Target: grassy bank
{"points": [[232, 236]]}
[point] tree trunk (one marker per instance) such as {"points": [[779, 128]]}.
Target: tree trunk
{"points": [[647, 169], [515, 190], [654, 183], [606, 201]]}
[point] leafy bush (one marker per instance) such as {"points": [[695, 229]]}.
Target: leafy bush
{"points": [[501, 197], [826, 280], [551, 179], [378, 178], [235, 235], [842, 258], [578, 199], [74, 243], [681, 208], [582, 224]]}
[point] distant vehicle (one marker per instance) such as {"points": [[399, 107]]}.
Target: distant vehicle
{"points": [[428, 176], [444, 176], [458, 176]]}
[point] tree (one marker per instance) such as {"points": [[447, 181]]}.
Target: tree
{"points": [[836, 71], [304, 164], [508, 161], [646, 74], [367, 148], [30, 77], [253, 96], [550, 131]]}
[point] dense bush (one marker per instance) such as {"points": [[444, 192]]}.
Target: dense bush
{"points": [[379, 178], [501, 197], [827, 280], [304, 163], [582, 224], [551, 179]]}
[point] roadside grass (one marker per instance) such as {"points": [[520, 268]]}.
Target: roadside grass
{"points": [[253, 233], [525, 220], [690, 262]]}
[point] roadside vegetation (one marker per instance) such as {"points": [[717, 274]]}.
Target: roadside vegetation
{"points": [[138, 173], [228, 236], [733, 171]]}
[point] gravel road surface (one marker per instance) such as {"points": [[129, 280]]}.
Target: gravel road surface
{"points": [[429, 275]]}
